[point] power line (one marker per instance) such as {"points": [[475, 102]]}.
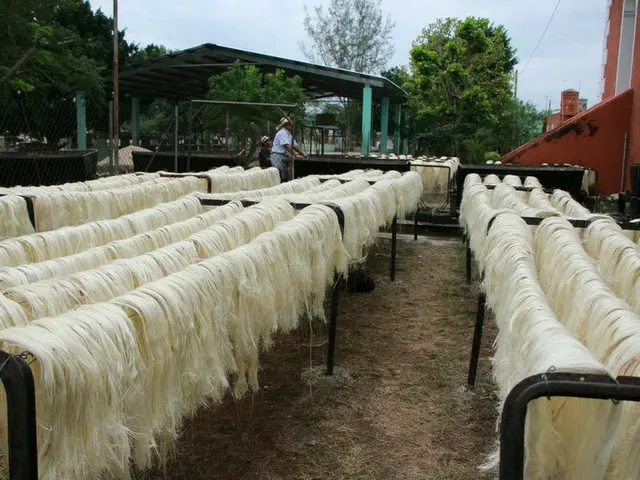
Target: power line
{"points": [[542, 37]]}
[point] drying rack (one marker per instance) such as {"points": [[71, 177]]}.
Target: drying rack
{"points": [[338, 280], [480, 313], [19, 386], [554, 384], [550, 384]]}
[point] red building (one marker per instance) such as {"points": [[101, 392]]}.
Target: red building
{"points": [[570, 105], [605, 137]]}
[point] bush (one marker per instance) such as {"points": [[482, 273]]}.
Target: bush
{"points": [[492, 156]]}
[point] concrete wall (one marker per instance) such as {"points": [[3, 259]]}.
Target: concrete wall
{"points": [[594, 139]]}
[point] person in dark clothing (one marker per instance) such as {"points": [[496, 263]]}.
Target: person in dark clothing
{"points": [[264, 156]]}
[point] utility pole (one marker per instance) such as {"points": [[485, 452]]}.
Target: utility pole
{"points": [[515, 90], [116, 95]]}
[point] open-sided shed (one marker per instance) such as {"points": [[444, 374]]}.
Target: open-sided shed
{"points": [[184, 75]]}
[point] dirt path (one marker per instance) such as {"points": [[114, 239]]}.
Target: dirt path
{"points": [[395, 410]]}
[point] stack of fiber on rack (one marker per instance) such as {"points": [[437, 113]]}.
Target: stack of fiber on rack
{"points": [[134, 322], [436, 174], [570, 316]]}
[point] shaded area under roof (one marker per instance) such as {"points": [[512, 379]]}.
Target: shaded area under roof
{"points": [[183, 75]]}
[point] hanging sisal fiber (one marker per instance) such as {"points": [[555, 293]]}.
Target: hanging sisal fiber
{"points": [[61, 209], [120, 249], [58, 294], [106, 183], [66, 241], [436, 175], [170, 344], [295, 186], [565, 438], [14, 217]]}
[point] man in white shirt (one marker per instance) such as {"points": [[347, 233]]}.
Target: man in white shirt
{"points": [[284, 148]]}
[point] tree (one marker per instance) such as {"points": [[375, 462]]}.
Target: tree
{"points": [[461, 85], [246, 83], [60, 47], [151, 51], [353, 35]]}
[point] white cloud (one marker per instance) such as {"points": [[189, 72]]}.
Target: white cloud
{"points": [[569, 56]]}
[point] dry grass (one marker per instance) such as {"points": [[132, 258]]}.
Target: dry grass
{"points": [[397, 409]]}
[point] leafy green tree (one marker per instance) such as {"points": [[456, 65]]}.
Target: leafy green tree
{"points": [[49, 50], [245, 83], [461, 83], [353, 35]]}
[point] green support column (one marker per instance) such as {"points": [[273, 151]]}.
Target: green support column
{"points": [[384, 127], [135, 121], [405, 140], [397, 117], [81, 120], [367, 104]]}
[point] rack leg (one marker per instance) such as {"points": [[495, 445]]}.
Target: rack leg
{"points": [[468, 249], [18, 383], [415, 227], [333, 324], [394, 239], [477, 340]]}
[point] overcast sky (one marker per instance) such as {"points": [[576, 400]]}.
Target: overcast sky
{"points": [[570, 55]]}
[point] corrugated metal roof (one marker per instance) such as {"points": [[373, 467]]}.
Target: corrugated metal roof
{"points": [[184, 75]]}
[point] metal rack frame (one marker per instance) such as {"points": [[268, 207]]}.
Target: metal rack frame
{"points": [[512, 421], [480, 313], [19, 386]]}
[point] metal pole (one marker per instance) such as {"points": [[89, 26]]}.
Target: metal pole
{"points": [[189, 137], [394, 234], [468, 250], [226, 133], [116, 92], [415, 226], [111, 137], [333, 323], [175, 155], [477, 341], [256, 104], [19, 386]]}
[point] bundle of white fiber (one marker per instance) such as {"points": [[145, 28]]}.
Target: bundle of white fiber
{"points": [[512, 180], [121, 249], [74, 208], [589, 179], [221, 298], [65, 241], [566, 204], [298, 185], [59, 294], [538, 199], [105, 183], [340, 191], [249, 180], [435, 175], [407, 189], [505, 196], [85, 373], [475, 214], [560, 433], [609, 328], [367, 211], [391, 175], [492, 179], [532, 182], [15, 217]]}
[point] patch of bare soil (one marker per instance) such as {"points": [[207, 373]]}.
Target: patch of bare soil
{"points": [[396, 408]]}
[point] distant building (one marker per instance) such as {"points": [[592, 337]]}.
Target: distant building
{"points": [[605, 137], [570, 106]]}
